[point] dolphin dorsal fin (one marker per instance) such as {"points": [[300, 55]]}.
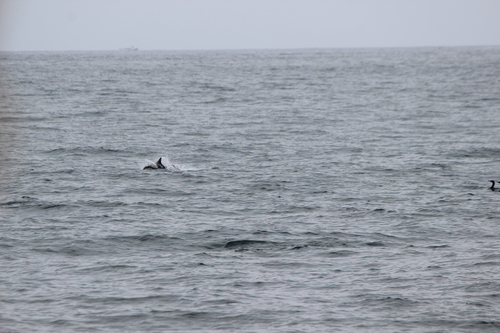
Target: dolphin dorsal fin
{"points": [[159, 164]]}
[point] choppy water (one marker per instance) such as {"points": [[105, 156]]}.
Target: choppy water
{"points": [[317, 191]]}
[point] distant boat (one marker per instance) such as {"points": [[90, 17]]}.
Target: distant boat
{"points": [[132, 48]]}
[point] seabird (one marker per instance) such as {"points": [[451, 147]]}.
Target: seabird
{"points": [[492, 187]]}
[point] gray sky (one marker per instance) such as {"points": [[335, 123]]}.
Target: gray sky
{"points": [[245, 24]]}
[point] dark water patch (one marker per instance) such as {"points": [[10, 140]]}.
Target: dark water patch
{"points": [[103, 203], [483, 152], [32, 202], [378, 244], [198, 315], [387, 302], [481, 326], [490, 287], [340, 240], [471, 106], [431, 167], [141, 238], [492, 256], [163, 191], [299, 247], [480, 304], [340, 254], [487, 99], [377, 235], [110, 320], [85, 151], [287, 264], [243, 243], [432, 324], [435, 247], [217, 87], [320, 192], [53, 171], [243, 284], [487, 263], [91, 114], [224, 301], [219, 100], [51, 206], [17, 203], [328, 243], [108, 269], [4, 243], [142, 204], [150, 242], [267, 186], [343, 240], [293, 209], [71, 250], [22, 119], [437, 267], [117, 300], [262, 232], [149, 238]]}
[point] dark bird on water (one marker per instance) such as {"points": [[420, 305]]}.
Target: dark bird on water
{"points": [[493, 188]]}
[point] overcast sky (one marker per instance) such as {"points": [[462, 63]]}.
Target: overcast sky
{"points": [[245, 24]]}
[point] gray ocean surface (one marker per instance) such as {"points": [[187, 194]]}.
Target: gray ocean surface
{"points": [[339, 190]]}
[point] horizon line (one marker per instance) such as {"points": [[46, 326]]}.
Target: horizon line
{"points": [[124, 50]]}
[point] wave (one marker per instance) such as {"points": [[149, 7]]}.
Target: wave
{"points": [[70, 250], [244, 242], [483, 152], [85, 150], [31, 202]]}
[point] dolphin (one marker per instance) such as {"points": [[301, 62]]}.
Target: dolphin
{"points": [[157, 165]]}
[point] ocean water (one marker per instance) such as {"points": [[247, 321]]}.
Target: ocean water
{"points": [[339, 190]]}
